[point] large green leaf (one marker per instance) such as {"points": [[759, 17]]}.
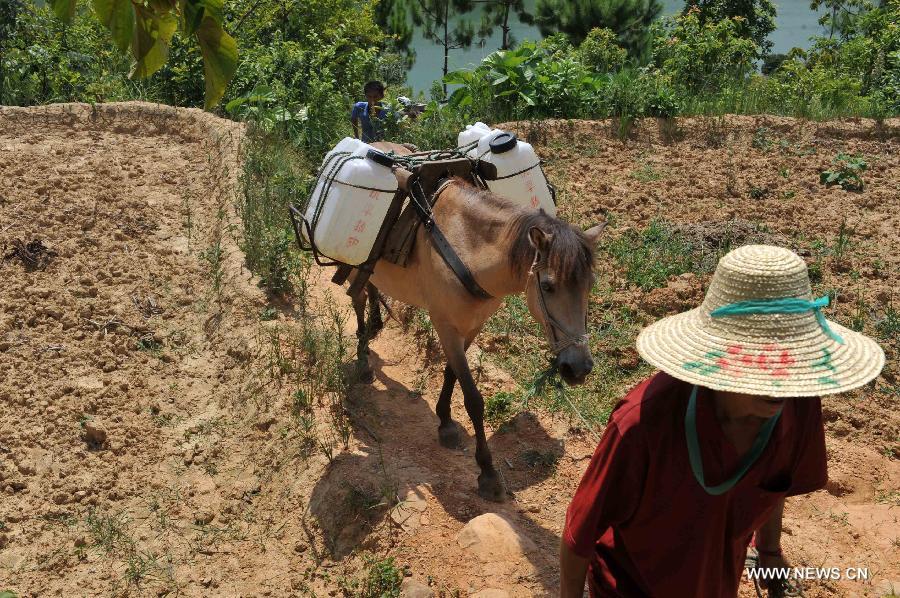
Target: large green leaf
{"points": [[118, 16], [64, 9], [194, 12], [150, 43], [220, 59]]}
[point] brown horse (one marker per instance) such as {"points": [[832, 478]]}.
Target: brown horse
{"points": [[508, 250]]}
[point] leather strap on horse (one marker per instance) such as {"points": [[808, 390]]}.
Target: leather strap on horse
{"points": [[440, 242], [563, 340]]}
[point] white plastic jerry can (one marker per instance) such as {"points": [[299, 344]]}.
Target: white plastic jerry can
{"points": [[471, 134], [349, 202], [519, 174]]}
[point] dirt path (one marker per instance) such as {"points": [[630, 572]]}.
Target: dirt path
{"points": [[151, 441]]}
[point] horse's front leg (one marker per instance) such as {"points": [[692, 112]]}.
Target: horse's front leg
{"points": [[364, 370], [375, 323], [490, 484]]}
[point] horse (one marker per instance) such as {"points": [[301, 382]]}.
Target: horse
{"points": [[508, 249]]}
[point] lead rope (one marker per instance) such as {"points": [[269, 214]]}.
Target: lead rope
{"points": [[551, 325]]}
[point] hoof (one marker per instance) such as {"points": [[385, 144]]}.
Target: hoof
{"points": [[448, 436], [491, 487]]}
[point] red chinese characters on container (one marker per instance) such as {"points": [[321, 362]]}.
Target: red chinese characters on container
{"points": [[771, 359]]}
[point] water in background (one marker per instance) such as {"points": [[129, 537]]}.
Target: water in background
{"points": [[795, 22]]}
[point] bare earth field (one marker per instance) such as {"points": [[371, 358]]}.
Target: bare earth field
{"points": [[150, 442]]}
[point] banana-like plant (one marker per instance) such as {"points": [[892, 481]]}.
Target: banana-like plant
{"points": [[146, 27]]}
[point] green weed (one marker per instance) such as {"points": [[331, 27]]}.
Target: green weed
{"points": [[888, 326], [645, 174], [651, 256], [107, 530], [499, 408], [847, 172], [274, 176], [381, 579], [758, 192], [842, 243], [761, 139]]}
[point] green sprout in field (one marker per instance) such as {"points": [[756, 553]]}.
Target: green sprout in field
{"points": [[846, 173]]}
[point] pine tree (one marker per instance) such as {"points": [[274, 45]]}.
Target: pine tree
{"points": [[629, 19], [393, 16], [496, 13], [434, 16]]}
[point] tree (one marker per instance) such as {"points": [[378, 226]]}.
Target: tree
{"points": [[496, 13], [841, 15], [629, 19], [434, 17], [9, 11], [393, 18], [755, 19], [147, 28]]}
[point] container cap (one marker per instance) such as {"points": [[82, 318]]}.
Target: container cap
{"points": [[503, 143], [380, 158]]}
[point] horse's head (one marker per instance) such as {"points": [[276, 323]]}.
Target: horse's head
{"points": [[559, 282]]}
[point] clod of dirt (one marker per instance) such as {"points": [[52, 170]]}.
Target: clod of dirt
{"points": [[411, 588], [94, 436], [34, 255], [491, 537], [204, 516], [715, 237], [683, 293], [490, 593], [265, 422]]}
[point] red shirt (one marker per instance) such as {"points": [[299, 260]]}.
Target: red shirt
{"points": [[646, 524]]}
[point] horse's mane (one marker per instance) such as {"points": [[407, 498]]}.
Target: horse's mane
{"points": [[571, 257]]}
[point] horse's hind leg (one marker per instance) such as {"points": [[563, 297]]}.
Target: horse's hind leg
{"points": [[375, 323], [448, 430], [490, 484], [364, 370]]}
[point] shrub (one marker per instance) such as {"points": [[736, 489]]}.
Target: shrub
{"points": [[704, 58], [662, 102], [564, 88], [600, 52], [42, 60]]}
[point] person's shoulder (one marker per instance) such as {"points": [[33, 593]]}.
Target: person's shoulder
{"points": [[360, 104], [359, 107], [650, 402]]}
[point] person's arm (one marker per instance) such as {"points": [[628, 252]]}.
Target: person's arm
{"points": [[768, 540], [572, 572]]}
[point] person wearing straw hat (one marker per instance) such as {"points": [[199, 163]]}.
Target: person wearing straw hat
{"points": [[696, 461]]}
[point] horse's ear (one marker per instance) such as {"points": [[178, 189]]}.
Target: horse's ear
{"points": [[593, 233], [539, 239]]}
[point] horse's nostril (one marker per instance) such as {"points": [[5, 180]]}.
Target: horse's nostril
{"points": [[565, 369]]}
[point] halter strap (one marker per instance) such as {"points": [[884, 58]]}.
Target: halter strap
{"points": [[556, 333], [787, 305], [746, 462]]}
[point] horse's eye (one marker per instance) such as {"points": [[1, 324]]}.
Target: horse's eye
{"points": [[547, 286]]}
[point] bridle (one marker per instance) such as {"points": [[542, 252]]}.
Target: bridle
{"points": [[556, 334]]}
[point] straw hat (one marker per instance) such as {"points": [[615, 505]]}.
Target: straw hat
{"points": [[759, 332]]}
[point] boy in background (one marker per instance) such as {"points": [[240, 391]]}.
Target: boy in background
{"points": [[368, 113]]}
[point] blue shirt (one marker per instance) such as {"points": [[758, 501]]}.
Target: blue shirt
{"points": [[370, 131]]}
